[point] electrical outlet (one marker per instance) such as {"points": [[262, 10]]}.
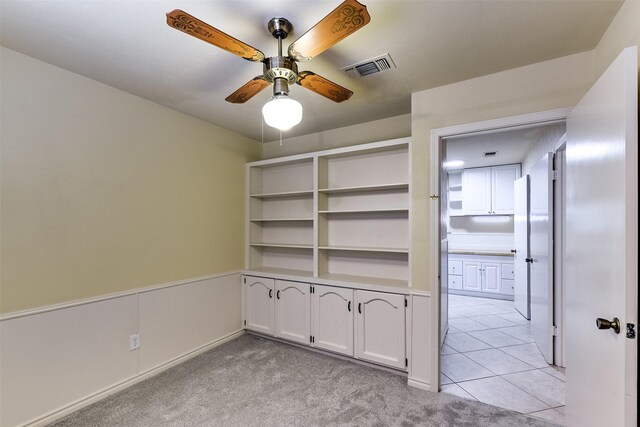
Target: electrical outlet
{"points": [[134, 342]]}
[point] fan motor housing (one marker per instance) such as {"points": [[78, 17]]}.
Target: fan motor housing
{"points": [[280, 67]]}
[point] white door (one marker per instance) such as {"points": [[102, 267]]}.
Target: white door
{"points": [[541, 247], [502, 196], [491, 277], [259, 306], [601, 267], [380, 331], [293, 311], [471, 276], [521, 239], [476, 191], [332, 310]]}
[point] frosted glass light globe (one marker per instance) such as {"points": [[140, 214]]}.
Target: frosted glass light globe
{"points": [[282, 112]]}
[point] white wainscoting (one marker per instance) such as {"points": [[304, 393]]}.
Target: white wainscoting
{"points": [[421, 350], [57, 359]]}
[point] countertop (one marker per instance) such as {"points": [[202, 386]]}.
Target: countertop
{"points": [[491, 252]]}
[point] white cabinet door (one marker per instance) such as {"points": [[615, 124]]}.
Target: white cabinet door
{"points": [[471, 276], [293, 314], [332, 325], [502, 196], [455, 282], [259, 303], [476, 191], [491, 277], [380, 328]]}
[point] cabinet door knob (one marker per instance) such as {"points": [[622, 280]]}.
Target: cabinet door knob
{"points": [[349, 306], [278, 294], [360, 307], [270, 293]]}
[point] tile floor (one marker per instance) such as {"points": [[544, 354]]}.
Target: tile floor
{"points": [[489, 355]]}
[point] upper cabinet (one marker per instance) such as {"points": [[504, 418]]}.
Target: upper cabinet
{"points": [[489, 191]]}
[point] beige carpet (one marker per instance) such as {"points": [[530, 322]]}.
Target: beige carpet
{"points": [[252, 381]]}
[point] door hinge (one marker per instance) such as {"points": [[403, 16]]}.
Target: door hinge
{"points": [[631, 331], [555, 174], [555, 331], [406, 362]]}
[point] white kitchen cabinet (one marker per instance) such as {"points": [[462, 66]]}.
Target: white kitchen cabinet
{"points": [[380, 328], [472, 276], [293, 311], [332, 326], [481, 275], [489, 191], [259, 304]]}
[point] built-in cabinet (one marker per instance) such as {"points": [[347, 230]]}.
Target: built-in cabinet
{"points": [[363, 324], [481, 275], [339, 214], [483, 191]]}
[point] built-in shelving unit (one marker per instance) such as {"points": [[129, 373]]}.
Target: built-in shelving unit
{"points": [[341, 213]]}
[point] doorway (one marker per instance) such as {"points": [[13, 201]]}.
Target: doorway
{"points": [[489, 351]]}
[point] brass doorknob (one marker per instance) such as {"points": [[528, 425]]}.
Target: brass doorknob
{"points": [[606, 324]]}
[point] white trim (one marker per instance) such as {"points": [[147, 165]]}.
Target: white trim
{"points": [[94, 397], [54, 307], [373, 146], [520, 121], [419, 384]]}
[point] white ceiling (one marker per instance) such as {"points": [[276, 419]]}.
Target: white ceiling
{"points": [[128, 45], [512, 146]]}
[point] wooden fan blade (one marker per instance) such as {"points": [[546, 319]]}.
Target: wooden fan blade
{"points": [[191, 25], [246, 92], [345, 19], [324, 87]]}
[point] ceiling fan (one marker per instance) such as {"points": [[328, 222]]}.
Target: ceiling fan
{"points": [[282, 71]]}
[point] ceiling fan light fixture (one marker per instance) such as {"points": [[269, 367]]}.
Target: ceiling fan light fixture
{"points": [[282, 112]]}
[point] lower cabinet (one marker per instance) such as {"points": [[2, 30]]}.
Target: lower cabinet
{"points": [[292, 311], [482, 274], [259, 304], [363, 324], [380, 328], [332, 312]]}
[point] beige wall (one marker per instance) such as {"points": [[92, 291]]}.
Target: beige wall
{"points": [[624, 31], [102, 191], [378, 130]]}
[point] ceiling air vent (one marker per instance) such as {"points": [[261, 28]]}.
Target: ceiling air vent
{"points": [[370, 66], [490, 154]]}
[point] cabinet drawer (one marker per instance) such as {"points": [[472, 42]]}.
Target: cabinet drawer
{"points": [[507, 271], [455, 267], [455, 282], [507, 286]]}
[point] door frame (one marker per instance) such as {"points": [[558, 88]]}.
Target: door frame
{"points": [[437, 139]]}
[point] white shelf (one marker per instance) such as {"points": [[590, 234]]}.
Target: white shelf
{"points": [[365, 188], [281, 219], [282, 245], [282, 195], [348, 278], [283, 271], [373, 211], [365, 249]]}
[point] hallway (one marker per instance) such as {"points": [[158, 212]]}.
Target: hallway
{"points": [[489, 355]]}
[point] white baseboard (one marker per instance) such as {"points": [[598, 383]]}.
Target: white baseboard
{"points": [[419, 384], [81, 403]]}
